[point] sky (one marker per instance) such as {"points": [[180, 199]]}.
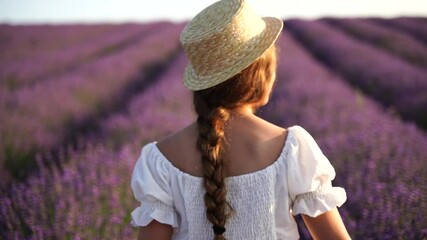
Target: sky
{"points": [[118, 11]]}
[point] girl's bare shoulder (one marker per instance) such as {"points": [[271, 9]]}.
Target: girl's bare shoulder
{"points": [[180, 149]]}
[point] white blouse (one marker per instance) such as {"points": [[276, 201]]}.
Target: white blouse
{"points": [[299, 181]]}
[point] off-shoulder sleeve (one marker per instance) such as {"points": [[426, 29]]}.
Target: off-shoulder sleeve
{"points": [[310, 176], [151, 186]]}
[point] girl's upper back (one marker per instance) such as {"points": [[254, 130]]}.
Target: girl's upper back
{"points": [[292, 176], [251, 144]]}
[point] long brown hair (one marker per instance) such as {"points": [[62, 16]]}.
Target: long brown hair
{"points": [[213, 106]]}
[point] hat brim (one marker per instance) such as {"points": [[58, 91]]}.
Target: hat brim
{"points": [[257, 46]]}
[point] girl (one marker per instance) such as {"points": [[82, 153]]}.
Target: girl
{"points": [[232, 174]]}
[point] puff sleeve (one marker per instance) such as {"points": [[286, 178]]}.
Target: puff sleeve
{"points": [[310, 176], [151, 186]]}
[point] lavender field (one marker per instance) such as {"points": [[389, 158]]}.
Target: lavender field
{"points": [[77, 103]]}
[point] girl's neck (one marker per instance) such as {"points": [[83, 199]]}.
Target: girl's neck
{"points": [[246, 110]]}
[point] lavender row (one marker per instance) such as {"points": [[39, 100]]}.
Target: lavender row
{"points": [[167, 103], [45, 115], [390, 39], [15, 74], [387, 78], [422, 20], [91, 198], [379, 160], [414, 26], [20, 42]]}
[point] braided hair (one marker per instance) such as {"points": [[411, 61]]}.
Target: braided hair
{"points": [[213, 107]]}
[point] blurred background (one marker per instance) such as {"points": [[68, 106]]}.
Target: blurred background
{"points": [[85, 84]]}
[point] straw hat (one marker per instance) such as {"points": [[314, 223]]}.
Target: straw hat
{"points": [[222, 40]]}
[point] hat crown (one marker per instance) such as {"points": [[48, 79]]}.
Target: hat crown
{"points": [[222, 40], [222, 15], [213, 36]]}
